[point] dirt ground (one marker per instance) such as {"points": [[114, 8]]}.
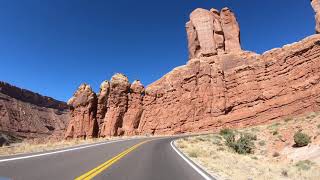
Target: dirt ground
{"points": [[274, 156]]}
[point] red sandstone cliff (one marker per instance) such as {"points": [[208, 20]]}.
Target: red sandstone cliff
{"points": [[30, 115], [221, 85]]}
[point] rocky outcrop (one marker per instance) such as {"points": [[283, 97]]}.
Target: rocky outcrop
{"points": [[102, 103], [212, 32], [132, 117], [220, 86], [83, 122], [316, 6], [26, 114], [235, 90], [117, 106]]}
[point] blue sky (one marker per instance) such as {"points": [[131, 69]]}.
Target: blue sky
{"points": [[51, 47]]}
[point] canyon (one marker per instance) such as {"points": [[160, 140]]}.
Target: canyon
{"points": [[221, 85]]}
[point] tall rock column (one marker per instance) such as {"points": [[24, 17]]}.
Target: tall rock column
{"points": [[231, 31], [218, 31], [316, 6], [132, 117], [117, 106], [103, 102], [83, 122], [203, 20]]}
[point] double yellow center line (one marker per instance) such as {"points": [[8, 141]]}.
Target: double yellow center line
{"points": [[94, 172]]}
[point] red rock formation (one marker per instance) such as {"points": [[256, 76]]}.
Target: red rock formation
{"points": [[316, 6], [30, 115], [103, 102], [231, 31], [83, 123], [132, 117], [211, 33], [235, 90], [220, 86], [117, 105]]}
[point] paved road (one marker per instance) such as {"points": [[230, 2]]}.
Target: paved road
{"points": [[135, 159]]}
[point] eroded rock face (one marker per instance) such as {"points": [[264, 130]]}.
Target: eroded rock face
{"points": [[211, 33], [135, 108], [316, 6], [83, 122], [220, 86], [26, 114], [117, 105], [231, 31], [103, 103], [235, 90]]}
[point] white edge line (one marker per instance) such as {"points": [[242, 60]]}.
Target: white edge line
{"points": [[60, 151], [205, 176]]}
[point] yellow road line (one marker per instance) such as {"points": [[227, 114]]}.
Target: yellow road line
{"points": [[94, 172]]}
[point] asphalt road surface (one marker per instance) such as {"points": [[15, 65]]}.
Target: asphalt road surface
{"points": [[135, 159]]}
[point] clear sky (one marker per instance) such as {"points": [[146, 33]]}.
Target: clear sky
{"points": [[52, 46]]}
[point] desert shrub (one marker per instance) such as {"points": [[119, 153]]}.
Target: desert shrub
{"points": [[287, 119], [262, 143], [220, 149], [243, 145], [304, 165], [253, 137], [318, 126], [284, 173], [230, 139], [275, 154], [275, 132], [193, 154], [301, 139], [226, 132]]}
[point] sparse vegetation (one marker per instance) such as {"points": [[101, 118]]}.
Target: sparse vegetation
{"points": [[288, 119], [301, 139], [273, 157], [304, 165], [226, 132], [262, 143], [243, 145]]}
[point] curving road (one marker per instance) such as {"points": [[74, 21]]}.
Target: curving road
{"points": [[135, 159]]}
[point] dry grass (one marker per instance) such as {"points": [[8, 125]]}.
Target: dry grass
{"points": [[269, 160], [34, 146]]}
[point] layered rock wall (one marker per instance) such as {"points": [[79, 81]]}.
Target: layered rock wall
{"points": [[220, 86], [29, 115], [83, 123]]}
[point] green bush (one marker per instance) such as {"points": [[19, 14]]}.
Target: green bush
{"points": [[301, 139], [226, 132], [243, 145]]}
